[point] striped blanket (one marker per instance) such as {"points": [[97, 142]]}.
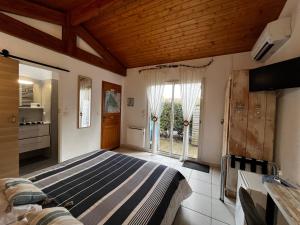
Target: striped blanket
{"points": [[108, 188]]}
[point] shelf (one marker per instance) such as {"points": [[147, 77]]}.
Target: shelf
{"points": [[21, 107]]}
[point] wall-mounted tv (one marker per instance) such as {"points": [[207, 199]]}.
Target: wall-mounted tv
{"points": [[280, 75]]}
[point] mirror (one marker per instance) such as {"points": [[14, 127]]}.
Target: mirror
{"points": [[84, 101]]}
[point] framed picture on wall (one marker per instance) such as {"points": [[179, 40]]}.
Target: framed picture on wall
{"points": [[130, 102]]}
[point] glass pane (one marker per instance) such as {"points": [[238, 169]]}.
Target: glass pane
{"points": [[165, 120], [178, 122], [194, 130]]}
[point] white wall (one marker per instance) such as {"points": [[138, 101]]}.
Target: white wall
{"points": [[216, 78], [73, 141], [287, 139]]}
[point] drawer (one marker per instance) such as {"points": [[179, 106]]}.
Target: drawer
{"points": [[33, 131], [30, 144]]}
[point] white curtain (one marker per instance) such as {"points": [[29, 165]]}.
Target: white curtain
{"points": [[155, 88], [190, 79]]}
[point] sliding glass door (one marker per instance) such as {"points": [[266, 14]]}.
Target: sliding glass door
{"points": [[170, 130]]}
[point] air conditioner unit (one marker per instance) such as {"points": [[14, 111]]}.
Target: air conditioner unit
{"points": [[275, 34]]}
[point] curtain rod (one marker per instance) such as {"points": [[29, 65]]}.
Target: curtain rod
{"points": [[5, 53], [162, 66]]}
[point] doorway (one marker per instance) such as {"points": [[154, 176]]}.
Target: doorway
{"points": [[169, 132], [38, 118]]}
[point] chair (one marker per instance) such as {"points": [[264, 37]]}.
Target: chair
{"points": [[251, 215]]}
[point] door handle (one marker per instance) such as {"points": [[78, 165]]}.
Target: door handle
{"points": [[13, 119]]}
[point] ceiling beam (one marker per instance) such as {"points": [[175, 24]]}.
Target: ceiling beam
{"points": [[69, 37], [98, 47], [21, 30], [86, 11], [16, 28], [32, 10]]}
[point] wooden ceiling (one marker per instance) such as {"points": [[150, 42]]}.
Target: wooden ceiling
{"points": [[147, 32], [158, 31]]}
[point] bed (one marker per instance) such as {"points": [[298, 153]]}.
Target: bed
{"points": [[105, 187]]}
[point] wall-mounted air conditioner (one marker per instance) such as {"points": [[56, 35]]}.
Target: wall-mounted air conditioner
{"points": [[275, 34]]}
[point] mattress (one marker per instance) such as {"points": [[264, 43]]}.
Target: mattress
{"points": [[105, 187]]}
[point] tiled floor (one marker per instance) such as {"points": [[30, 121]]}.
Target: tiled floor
{"points": [[203, 207]]}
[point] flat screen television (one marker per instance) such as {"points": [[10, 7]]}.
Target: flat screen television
{"points": [[280, 75]]}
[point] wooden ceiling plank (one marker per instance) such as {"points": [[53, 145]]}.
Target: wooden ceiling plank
{"points": [[194, 34], [163, 27], [86, 11], [141, 17], [177, 58], [32, 10]]}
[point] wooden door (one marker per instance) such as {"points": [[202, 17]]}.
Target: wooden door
{"points": [[270, 126], [9, 126], [226, 118], [256, 125], [238, 113], [111, 115]]}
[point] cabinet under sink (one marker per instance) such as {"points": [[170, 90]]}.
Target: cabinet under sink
{"points": [[34, 137]]}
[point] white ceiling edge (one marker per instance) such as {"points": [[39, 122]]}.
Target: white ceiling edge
{"points": [[86, 47], [34, 72]]}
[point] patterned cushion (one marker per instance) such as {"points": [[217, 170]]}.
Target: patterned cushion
{"points": [[52, 216], [24, 193], [8, 182]]}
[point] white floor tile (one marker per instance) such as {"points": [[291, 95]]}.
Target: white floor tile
{"points": [[198, 203], [223, 212], [216, 176], [189, 217], [198, 175], [200, 187], [215, 191]]}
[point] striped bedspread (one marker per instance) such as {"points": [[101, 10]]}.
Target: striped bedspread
{"points": [[105, 187]]}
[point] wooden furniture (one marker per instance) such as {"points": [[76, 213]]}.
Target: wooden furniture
{"points": [[9, 102], [249, 124], [111, 115], [34, 137], [251, 120], [252, 182], [287, 200]]}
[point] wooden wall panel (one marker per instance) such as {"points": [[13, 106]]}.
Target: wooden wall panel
{"points": [[256, 125], [9, 126], [270, 126], [238, 113], [252, 120]]}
